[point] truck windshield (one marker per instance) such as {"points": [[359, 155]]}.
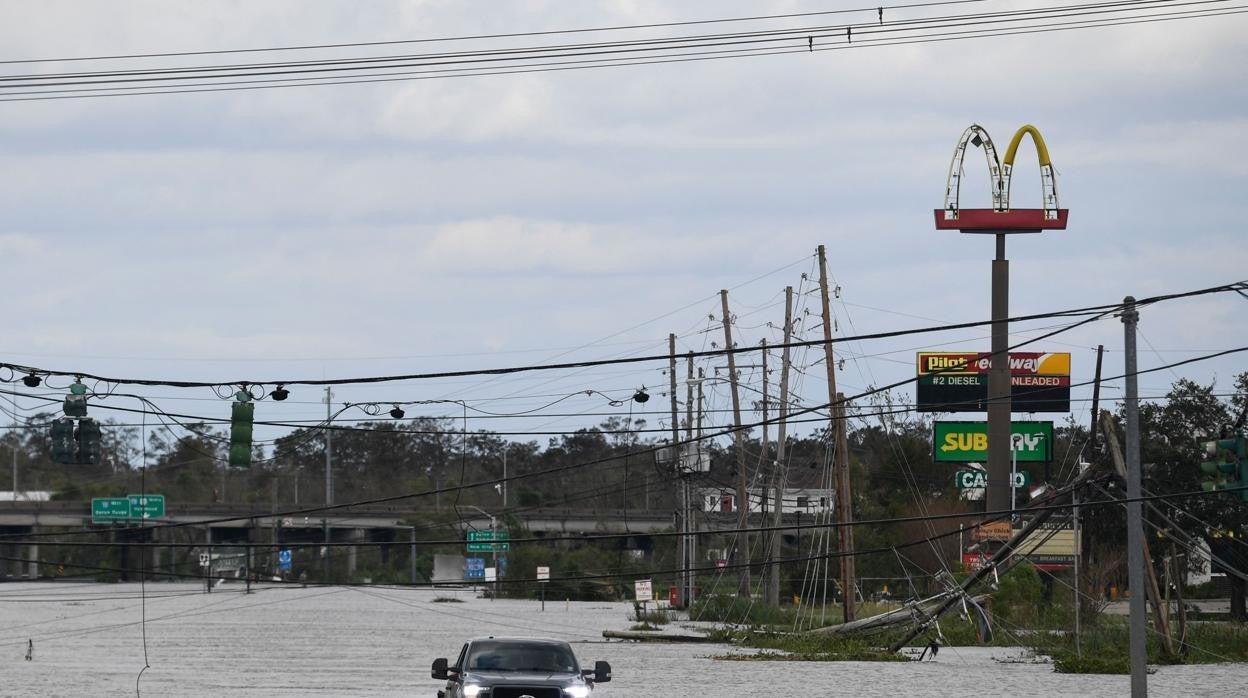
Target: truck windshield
{"points": [[491, 655]]}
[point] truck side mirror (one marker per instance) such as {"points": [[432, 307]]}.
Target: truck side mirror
{"points": [[439, 668], [602, 672]]}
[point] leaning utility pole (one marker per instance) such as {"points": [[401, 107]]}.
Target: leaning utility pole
{"points": [[1135, 520], [741, 557], [778, 475], [844, 513]]}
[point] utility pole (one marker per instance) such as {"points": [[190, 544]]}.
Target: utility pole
{"points": [[1135, 522], [683, 505], [844, 500], [779, 473], [999, 392], [329, 478], [690, 549], [1092, 431], [741, 556], [762, 468]]}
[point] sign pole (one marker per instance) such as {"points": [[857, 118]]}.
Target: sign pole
{"points": [[1014, 439], [999, 396]]}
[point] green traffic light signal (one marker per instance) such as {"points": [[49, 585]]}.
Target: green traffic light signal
{"points": [[1229, 467], [90, 442], [63, 447], [242, 415]]}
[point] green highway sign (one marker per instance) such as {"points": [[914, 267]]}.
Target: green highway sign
{"points": [[484, 541], [106, 509], [971, 479], [147, 506], [961, 442]]}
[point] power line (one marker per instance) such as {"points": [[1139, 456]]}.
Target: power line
{"points": [[1074, 312], [683, 57], [491, 36], [567, 467], [575, 50]]}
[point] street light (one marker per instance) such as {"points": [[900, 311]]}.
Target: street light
{"points": [[1015, 441], [493, 544]]}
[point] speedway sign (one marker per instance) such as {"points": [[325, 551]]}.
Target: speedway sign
{"points": [[963, 442], [958, 381]]}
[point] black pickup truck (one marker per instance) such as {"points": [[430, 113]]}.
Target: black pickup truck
{"points": [[518, 668]]}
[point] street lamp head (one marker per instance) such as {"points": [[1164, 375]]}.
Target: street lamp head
{"points": [[641, 396]]}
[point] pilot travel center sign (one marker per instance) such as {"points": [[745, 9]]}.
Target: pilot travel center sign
{"points": [[963, 442], [958, 381]]}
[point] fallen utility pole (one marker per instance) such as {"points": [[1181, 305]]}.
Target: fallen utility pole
{"points": [[844, 500], [1003, 553], [741, 554]]}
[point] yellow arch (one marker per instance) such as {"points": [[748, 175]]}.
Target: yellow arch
{"points": [[1042, 151]]}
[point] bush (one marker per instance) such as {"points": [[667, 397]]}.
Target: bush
{"points": [[734, 609]]}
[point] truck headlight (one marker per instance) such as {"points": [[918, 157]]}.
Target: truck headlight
{"points": [[577, 691], [471, 690]]}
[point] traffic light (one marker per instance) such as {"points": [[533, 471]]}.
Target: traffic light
{"points": [[241, 416], [90, 442], [1228, 465], [63, 447]]}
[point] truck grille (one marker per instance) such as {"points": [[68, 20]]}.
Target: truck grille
{"points": [[517, 691]]}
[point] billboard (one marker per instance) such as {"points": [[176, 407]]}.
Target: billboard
{"points": [[958, 381], [963, 442]]}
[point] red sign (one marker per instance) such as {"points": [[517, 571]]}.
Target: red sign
{"points": [[973, 561], [1022, 363]]}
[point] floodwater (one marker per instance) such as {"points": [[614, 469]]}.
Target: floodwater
{"points": [[282, 641]]}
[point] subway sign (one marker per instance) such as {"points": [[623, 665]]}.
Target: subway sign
{"points": [[962, 442], [958, 381]]}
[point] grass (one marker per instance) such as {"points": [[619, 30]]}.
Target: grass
{"points": [[1105, 648], [447, 599], [652, 618], [752, 612], [805, 647]]}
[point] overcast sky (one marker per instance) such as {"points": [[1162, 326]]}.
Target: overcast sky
{"points": [[409, 227]]}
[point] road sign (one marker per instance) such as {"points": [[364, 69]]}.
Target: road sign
{"points": [[284, 559], [642, 590], [474, 568], [975, 479], [204, 559], [147, 506], [543, 574], [491, 574], [484, 541], [106, 509]]}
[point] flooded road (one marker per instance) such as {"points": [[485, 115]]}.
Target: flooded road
{"points": [[89, 641]]}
